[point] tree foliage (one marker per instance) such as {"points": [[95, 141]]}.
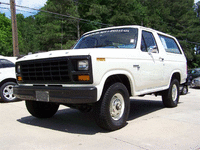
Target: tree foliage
{"points": [[5, 35], [28, 29], [48, 31], [6, 46], [56, 31]]}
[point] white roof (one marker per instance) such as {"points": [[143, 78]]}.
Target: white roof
{"points": [[128, 26]]}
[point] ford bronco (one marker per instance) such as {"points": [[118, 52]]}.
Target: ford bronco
{"points": [[104, 69]]}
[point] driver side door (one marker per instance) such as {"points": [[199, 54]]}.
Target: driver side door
{"points": [[153, 62]]}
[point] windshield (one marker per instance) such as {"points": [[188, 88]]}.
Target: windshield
{"points": [[112, 38]]}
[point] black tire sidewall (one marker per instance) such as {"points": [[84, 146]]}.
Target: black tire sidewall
{"points": [[2, 89], [167, 95], [184, 90], [104, 118], [41, 109]]}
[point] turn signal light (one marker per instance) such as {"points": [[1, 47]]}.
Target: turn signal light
{"points": [[19, 78], [83, 77]]}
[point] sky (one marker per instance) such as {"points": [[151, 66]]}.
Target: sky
{"points": [[26, 12], [28, 3]]}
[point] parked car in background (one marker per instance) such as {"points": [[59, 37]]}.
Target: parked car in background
{"points": [[7, 78], [195, 82], [193, 73]]}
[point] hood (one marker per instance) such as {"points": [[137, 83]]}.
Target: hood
{"points": [[56, 53], [94, 52]]}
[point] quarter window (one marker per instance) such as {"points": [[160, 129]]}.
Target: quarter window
{"points": [[169, 44]]}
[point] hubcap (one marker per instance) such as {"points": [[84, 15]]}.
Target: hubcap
{"points": [[8, 92], [117, 106], [174, 92]]}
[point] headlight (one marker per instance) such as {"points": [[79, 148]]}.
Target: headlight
{"points": [[83, 65], [18, 69]]}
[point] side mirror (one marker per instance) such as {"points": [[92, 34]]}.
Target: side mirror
{"points": [[153, 49]]}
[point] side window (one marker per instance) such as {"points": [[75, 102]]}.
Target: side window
{"points": [[169, 44], [148, 43], [6, 63]]}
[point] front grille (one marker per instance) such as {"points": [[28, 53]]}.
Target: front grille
{"points": [[51, 70]]}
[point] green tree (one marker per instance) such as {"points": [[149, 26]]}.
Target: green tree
{"points": [[50, 31], [112, 12], [6, 46], [129, 12], [55, 31], [5, 36], [28, 29], [175, 17], [185, 26]]}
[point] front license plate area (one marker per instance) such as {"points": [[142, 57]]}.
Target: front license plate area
{"points": [[42, 96]]}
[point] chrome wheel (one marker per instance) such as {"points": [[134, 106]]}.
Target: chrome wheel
{"points": [[8, 93], [174, 92], [117, 106]]}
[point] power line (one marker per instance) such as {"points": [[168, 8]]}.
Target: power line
{"points": [[68, 16], [190, 42], [19, 10], [5, 8], [71, 17], [57, 17]]}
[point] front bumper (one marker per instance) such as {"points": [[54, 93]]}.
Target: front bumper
{"points": [[65, 95]]}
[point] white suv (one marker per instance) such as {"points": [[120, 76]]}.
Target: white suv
{"points": [[7, 78], [104, 69]]}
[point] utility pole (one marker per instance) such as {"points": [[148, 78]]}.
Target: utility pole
{"points": [[14, 28], [78, 23], [78, 30]]}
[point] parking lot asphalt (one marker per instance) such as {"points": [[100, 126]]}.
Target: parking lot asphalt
{"points": [[150, 126]]}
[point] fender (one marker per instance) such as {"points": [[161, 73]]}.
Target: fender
{"points": [[172, 73], [110, 73]]}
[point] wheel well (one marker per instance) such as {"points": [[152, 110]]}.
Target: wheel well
{"points": [[8, 80], [176, 76], [117, 78]]}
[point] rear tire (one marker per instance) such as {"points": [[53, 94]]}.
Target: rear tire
{"points": [[170, 97], [41, 109], [184, 90], [113, 108]]}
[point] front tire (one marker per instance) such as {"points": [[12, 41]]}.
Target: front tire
{"points": [[170, 97], [113, 108], [41, 109]]}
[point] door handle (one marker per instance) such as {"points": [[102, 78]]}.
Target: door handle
{"points": [[136, 66]]}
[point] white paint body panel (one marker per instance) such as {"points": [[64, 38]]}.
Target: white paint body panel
{"points": [[154, 72]]}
